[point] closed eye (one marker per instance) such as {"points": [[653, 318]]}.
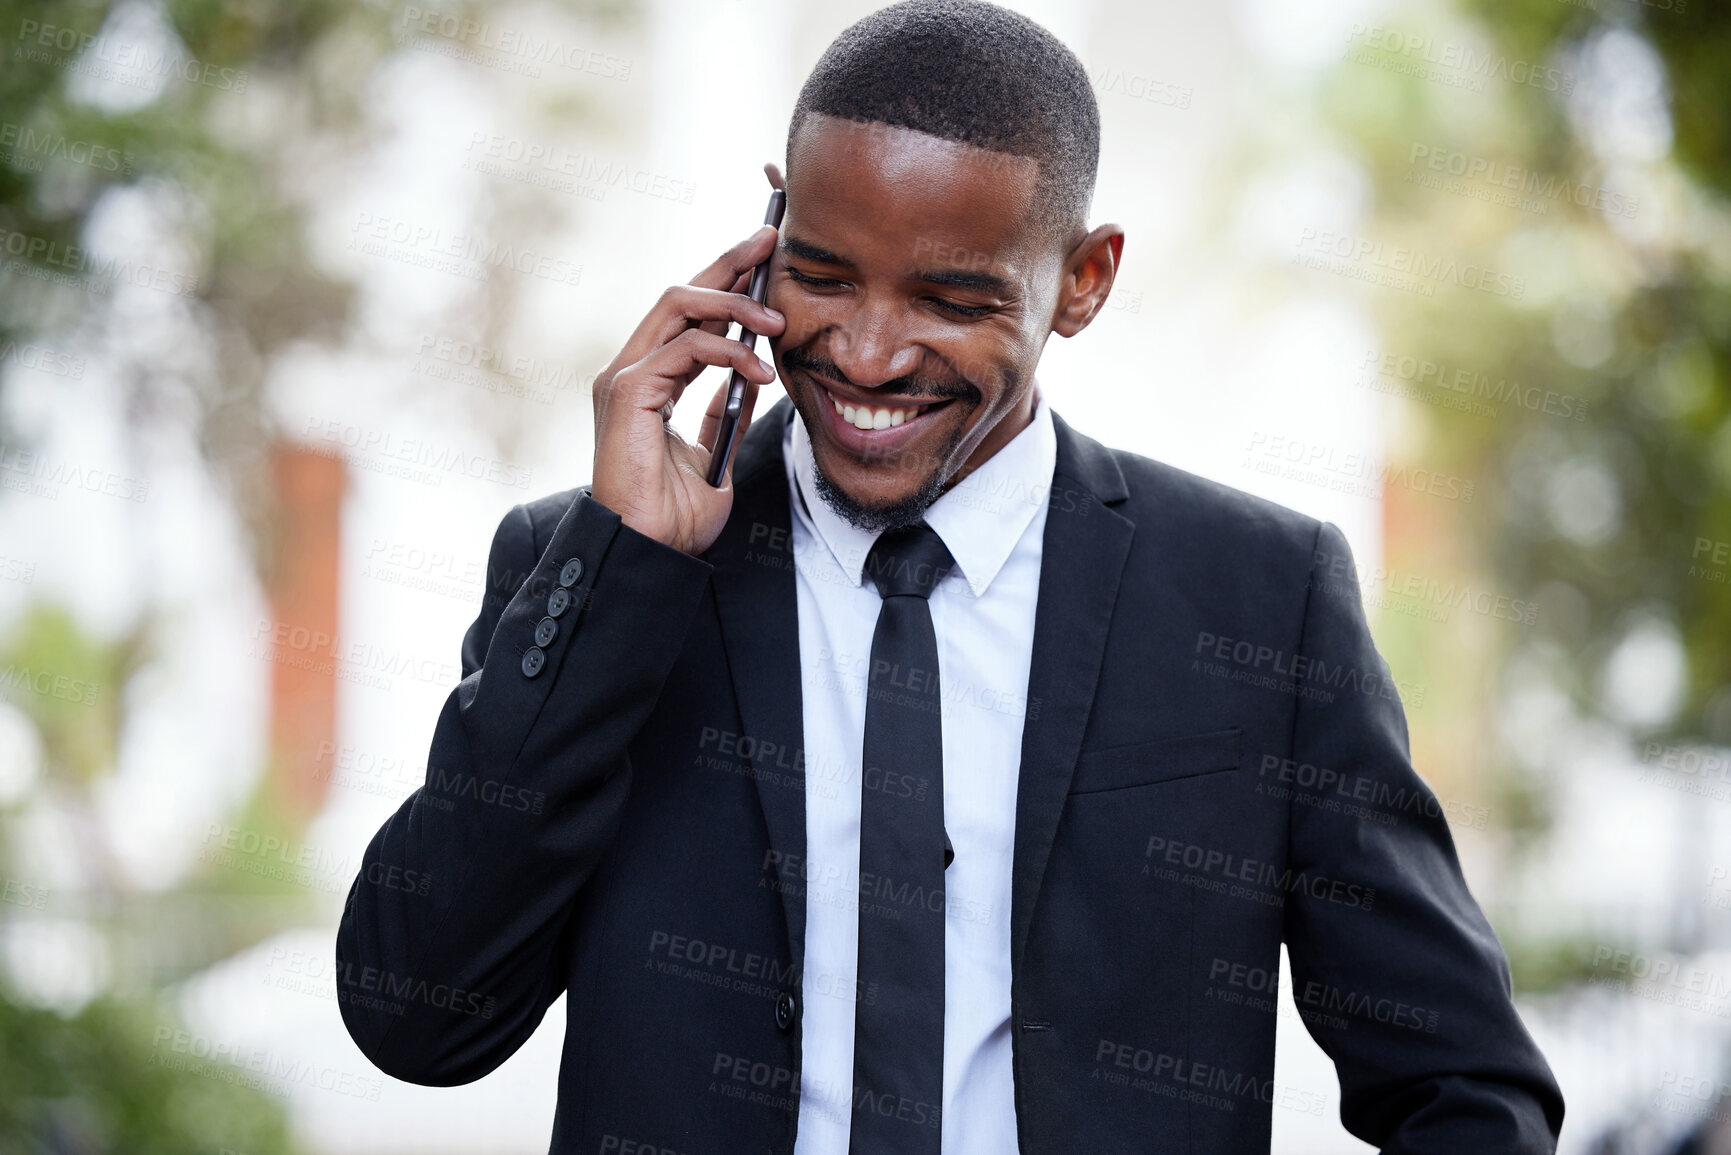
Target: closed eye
{"points": [[949, 306], [805, 280], [961, 310]]}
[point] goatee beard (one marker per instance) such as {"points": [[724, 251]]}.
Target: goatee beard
{"points": [[878, 517], [881, 516]]}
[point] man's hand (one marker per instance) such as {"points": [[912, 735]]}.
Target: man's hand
{"points": [[644, 471]]}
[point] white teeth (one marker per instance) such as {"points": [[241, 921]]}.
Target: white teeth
{"points": [[861, 417]]}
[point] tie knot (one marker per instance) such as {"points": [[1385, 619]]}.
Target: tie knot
{"points": [[908, 561]]}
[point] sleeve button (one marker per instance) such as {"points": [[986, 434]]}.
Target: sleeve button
{"points": [[533, 660], [572, 573], [558, 602], [545, 631]]}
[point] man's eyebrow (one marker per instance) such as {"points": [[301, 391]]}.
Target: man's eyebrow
{"points": [[810, 252], [955, 278], [983, 282]]}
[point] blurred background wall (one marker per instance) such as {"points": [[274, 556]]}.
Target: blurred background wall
{"points": [[298, 297]]}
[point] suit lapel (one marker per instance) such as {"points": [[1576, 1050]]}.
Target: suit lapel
{"points": [[759, 608], [1082, 559]]}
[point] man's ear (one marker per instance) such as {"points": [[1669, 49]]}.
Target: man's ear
{"points": [[1088, 274]]}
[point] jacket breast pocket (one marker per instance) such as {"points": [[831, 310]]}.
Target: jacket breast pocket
{"points": [[1165, 760]]}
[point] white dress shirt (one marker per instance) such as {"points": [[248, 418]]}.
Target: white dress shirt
{"points": [[983, 612]]}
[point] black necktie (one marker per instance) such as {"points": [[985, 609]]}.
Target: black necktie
{"points": [[898, 1049]]}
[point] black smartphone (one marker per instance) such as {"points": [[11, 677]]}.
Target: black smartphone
{"points": [[729, 431]]}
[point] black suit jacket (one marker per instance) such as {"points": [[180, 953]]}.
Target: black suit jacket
{"points": [[1214, 760]]}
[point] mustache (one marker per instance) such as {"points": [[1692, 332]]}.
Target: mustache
{"points": [[907, 385]]}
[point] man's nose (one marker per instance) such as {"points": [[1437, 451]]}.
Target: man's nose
{"points": [[871, 345]]}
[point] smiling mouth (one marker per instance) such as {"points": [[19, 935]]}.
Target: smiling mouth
{"points": [[881, 416]]}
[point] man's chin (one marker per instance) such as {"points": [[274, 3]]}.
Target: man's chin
{"points": [[874, 512], [878, 513]]}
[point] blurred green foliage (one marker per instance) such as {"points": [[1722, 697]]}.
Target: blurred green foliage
{"points": [[109, 1080], [88, 1083], [1658, 404], [68, 683], [268, 75], [229, 119], [1599, 520]]}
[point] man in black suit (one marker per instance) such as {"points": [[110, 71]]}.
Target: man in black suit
{"points": [[825, 911]]}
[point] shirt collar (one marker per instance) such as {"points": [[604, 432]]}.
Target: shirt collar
{"points": [[980, 519]]}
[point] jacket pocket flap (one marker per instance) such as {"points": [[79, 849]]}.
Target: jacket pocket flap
{"points": [[1160, 761]]}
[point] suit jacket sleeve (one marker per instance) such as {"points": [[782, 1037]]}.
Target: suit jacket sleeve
{"points": [[449, 950], [1402, 980]]}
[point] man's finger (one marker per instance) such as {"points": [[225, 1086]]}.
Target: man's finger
{"points": [[686, 307], [711, 428], [712, 418], [741, 258], [661, 377], [721, 327]]}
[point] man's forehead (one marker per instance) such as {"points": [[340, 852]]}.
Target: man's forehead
{"points": [[853, 175], [898, 145]]}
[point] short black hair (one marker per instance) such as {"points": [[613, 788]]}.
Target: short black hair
{"points": [[973, 72]]}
